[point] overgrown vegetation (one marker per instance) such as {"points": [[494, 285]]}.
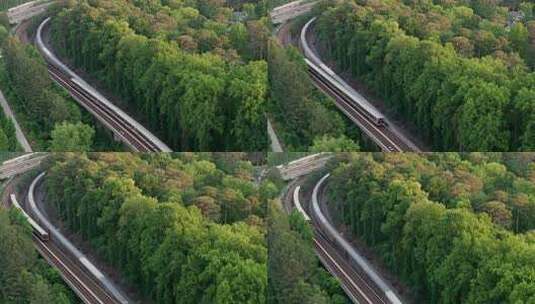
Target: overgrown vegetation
{"points": [[457, 228], [8, 138], [295, 273], [458, 70], [25, 278], [193, 70], [184, 228], [43, 108], [305, 119]]}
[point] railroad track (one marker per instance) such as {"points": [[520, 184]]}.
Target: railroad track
{"points": [[357, 286], [86, 282], [123, 126], [385, 139], [96, 281], [360, 289], [328, 82], [85, 287], [360, 281], [128, 132], [366, 281]]}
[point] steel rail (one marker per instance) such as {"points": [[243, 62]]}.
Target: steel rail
{"points": [[356, 285], [364, 123], [123, 129], [69, 276], [385, 138], [123, 126], [97, 278], [363, 268]]}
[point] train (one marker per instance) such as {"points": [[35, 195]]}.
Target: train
{"points": [[372, 115], [330, 233], [320, 70], [59, 238], [56, 64], [38, 231]]}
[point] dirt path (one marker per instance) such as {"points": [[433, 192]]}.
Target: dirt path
{"points": [[22, 32], [283, 34]]}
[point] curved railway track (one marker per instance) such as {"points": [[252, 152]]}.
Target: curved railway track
{"points": [[376, 288], [124, 127], [74, 272], [100, 282], [121, 127], [356, 286], [350, 105], [357, 277], [383, 137], [86, 288]]}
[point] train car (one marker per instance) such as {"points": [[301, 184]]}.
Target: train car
{"points": [[317, 67], [41, 233], [47, 54], [361, 105]]}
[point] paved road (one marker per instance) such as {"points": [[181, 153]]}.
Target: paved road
{"points": [[275, 143], [18, 131]]}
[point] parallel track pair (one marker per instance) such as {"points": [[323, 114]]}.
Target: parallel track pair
{"points": [[358, 278], [122, 125], [350, 102]]}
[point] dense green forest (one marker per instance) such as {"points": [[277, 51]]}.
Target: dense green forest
{"points": [[194, 70], [7, 4], [295, 273], [457, 228], [25, 278], [183, 228], [8, 139], [304, 118], [4, 155], [460, 71], [52, 121]]}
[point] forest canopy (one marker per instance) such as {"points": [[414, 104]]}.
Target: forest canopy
{"points": [[460, 71], [41, 107], [304, 118], [457, 228], [183, 228], [194, 70], [25, 278]]}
